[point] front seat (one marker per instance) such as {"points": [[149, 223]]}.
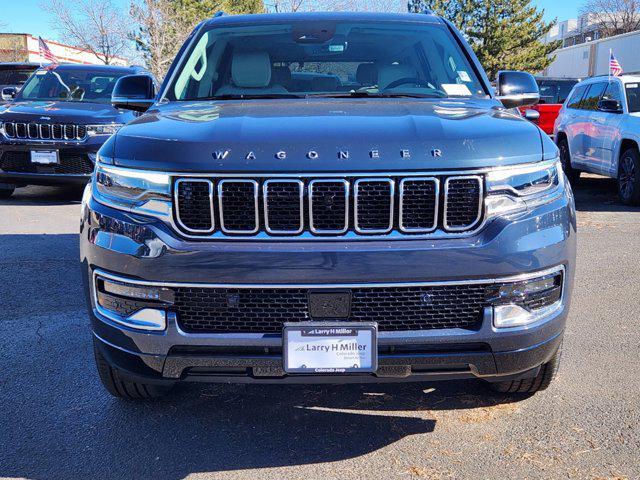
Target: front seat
{"points": [[250, 75], [390, 73], [367, 74]]}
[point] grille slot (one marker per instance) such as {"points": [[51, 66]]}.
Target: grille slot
{"points": [[238, 203], [462, 208], [374, 199], [194, 205], [70, 163], [45, 131], [326, 206], [419, 199], [329, 206], [283, 206], [264, 310]]}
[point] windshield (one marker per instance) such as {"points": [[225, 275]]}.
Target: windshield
{"points": [[555, 91], [71, 84], [325, 59], [633, 97]]}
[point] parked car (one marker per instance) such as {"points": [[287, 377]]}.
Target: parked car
{"points": [[408, 229], [598, 131], [12, 77], [52, 130], [553, 93]]}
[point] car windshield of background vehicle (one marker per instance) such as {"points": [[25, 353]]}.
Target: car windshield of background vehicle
{"points": [[71, 85], [554, 91], [613, 92], [633, 97], [14, 76], [325, 59]]}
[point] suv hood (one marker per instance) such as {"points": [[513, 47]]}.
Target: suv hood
{"points": [[316, 135], [62, 112]]}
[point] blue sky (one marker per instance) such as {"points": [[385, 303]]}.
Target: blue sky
{"points": [[26, 16]]}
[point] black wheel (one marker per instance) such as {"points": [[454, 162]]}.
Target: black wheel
{"points": [[121, 388], [6, 190], [572, 174], [629, 177], [538, 383]]}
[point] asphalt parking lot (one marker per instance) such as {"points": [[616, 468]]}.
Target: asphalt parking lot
{"points": [[56, 421]]}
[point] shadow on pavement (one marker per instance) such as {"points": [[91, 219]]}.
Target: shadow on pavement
{"points": [[45, 196], [599, 194]]}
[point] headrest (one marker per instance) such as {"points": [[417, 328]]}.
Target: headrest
{"points": [[391, 73], [281, 76], [367, 74], [251, 69], [324, 84]]}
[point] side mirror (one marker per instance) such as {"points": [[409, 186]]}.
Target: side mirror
{"points": [[532, 115], [9, 93], [517, 89], [609, 106], [134, 92]]}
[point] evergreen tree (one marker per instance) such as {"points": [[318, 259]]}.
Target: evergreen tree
{"points": [[505, 34], [243, 6], [417, 6]]}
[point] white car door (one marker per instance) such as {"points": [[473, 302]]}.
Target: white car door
{"points": [[591, 127], [609, 130], [573, 124]]}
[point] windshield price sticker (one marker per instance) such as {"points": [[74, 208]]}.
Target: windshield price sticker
{"points": [[324, 348]]}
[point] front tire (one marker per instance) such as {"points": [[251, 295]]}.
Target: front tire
{"points": [[540, 382], [629, 177], [123, 388], [572, 174]]}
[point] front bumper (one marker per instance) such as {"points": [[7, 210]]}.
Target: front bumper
{"points": [[143, 249], [75, 166]]}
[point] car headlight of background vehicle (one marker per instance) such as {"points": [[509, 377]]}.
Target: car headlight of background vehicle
{"points": [[518, 189], [138, 191], [106, 129]]}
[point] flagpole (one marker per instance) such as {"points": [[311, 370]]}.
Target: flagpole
{"points": [[610, 57]]}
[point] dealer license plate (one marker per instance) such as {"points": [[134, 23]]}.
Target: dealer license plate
{"points": [[330, 347], [44, 157]]}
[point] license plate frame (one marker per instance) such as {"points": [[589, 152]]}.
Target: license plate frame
{"points": [[356, 342], [45, 157]]}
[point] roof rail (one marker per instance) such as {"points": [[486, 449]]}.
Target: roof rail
{"points": [[427, 11], [219, 13]]}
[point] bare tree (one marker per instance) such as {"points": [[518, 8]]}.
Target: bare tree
{"points": [[158, 36], [97, 26], [336, 5], [613, 17]]}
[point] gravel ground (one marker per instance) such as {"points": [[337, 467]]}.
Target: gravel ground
{"points": [[56, 421]]}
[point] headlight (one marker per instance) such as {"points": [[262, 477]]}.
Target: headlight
{"points": [[514, 190], [132, 190], [108, 129]]}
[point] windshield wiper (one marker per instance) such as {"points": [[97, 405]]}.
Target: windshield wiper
{"points": [[364, 94]]}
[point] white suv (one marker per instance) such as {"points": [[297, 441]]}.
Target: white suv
{"points": [[598, 131]]}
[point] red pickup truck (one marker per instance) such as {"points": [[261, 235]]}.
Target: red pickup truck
{"points": [[553, 93]]}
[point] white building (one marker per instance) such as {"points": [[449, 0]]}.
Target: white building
{"points": [[22, 47]]}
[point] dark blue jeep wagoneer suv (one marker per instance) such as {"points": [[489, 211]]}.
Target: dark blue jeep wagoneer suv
{"points": [[327, 198]]}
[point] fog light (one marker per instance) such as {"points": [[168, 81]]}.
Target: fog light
{"points": [[137, 291], [516, 304]]}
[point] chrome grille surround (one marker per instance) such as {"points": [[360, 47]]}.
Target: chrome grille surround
{"points": [[356, 213], [447, 184], [265, 200], [307, 184], [176, 199], [221, 207], [44, 131]]}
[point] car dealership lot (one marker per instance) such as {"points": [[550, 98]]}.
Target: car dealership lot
{"points": [[58, 422]]}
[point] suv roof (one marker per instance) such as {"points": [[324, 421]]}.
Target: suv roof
{"points": [[311, 16]]}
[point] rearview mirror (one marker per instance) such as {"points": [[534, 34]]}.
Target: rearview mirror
{"points": [[609, 106], [517, 89], [9, 93], [134, 92]]}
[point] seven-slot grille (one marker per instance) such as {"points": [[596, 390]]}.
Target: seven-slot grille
{"points": [[328, 206], [45, 131]]}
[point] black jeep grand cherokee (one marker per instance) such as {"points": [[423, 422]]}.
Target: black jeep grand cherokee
{"points": [[50, 133]]}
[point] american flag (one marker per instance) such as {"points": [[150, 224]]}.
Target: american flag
{"points": [[46, 53], [614, 66]]}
